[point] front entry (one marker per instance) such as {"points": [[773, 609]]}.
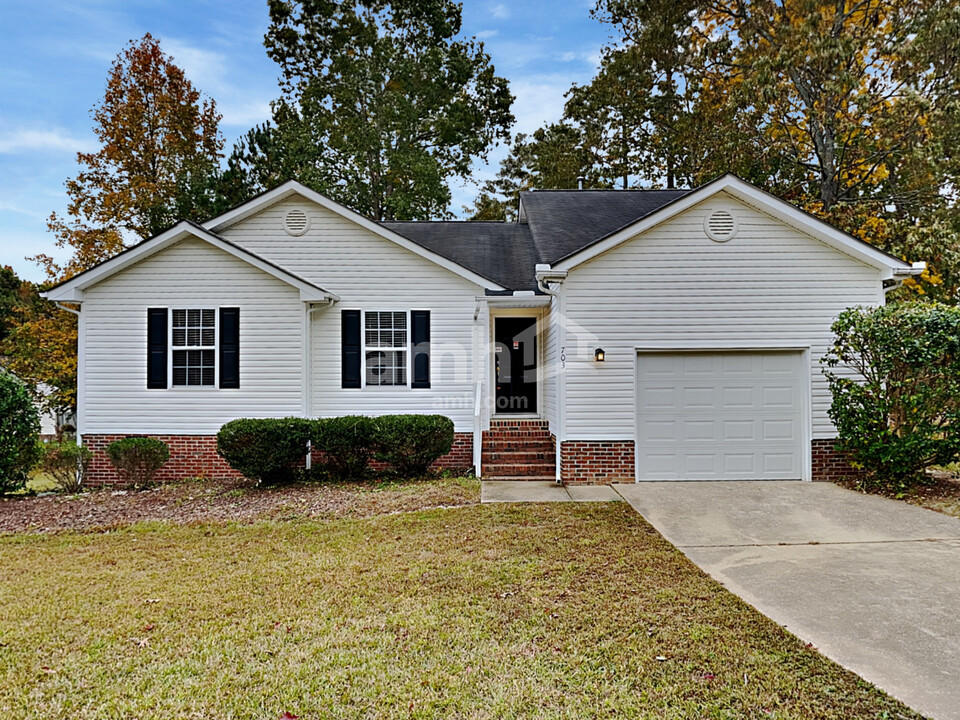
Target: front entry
{"points": [[515, 358]]}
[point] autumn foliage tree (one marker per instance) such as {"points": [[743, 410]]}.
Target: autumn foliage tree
{"points": [[157, 163], [849, 108]]}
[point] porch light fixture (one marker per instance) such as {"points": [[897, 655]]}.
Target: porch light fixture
{"points": [[599, 355]]}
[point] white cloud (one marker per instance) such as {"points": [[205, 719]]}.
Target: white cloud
{"points": [[500, 11], [206, 69], [485, 34], [244, 113], [540, 100], [22, 140]]}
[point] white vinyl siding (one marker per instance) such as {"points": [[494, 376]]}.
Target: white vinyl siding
{"points": [[190, 274], [371, 273], [674, 288], [550, 354]]}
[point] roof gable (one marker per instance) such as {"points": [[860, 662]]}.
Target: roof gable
{"points": [[72, 290], [293, 188], [761, 200]]}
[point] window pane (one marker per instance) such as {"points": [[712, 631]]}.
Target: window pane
{"points": [[179, 336], [386, 368], [193, 336], [179, 318], [193, 318], [207, 337], [208, 318]]}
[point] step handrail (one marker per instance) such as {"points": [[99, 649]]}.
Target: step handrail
{"points": [[477, 430]]}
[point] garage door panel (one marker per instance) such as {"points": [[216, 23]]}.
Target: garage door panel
{"points": [[734, 430], [720, 416]]}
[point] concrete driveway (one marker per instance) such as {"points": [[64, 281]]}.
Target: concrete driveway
{"points": [[874, 584]]}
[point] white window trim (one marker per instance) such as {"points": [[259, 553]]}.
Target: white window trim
{"points": [[363, 348], [216, 350]]}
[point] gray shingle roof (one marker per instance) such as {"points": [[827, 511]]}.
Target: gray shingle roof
{"points": [[502, 252], [558, 223], [565, 221]]}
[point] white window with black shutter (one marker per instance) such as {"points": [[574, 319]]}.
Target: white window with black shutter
{"points": [[193, 347], [385, 348]]}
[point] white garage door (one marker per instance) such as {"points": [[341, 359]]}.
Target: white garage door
{"points": [[720, 416]]}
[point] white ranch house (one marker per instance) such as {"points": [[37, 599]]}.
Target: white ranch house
{"points": [[606, 336]]}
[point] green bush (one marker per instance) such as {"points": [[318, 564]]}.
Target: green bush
{"points": [[894, 373], [19, 433], [67, 463], [347, 444], [138, 458], [412, 442], [270, 451]]}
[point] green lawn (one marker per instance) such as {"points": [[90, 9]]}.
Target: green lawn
{"points": [[563, 611]]}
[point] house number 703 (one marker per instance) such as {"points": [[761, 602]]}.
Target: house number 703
{"points": [[563, 357]]}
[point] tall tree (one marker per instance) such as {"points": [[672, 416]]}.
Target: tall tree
{"points": [[158, 157], [159, 152], [383, 103], [845, 106], [552, 158]]}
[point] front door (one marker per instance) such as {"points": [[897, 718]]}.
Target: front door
{"points": [[515, 357]]}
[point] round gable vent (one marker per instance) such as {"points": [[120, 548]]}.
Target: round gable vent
{"points": [[720, 225], [296, 222]]}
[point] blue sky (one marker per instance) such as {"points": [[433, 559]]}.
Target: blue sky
{"points": [[54, 58]]}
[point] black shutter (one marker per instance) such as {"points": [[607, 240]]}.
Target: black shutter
{"points": [[420, 320], [350, 348], [229, 347], [157, 348]]}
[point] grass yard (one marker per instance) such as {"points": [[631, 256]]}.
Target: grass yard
{"points": [[497, 611]]}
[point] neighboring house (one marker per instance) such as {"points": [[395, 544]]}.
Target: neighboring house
{"points": [[607, 336]]}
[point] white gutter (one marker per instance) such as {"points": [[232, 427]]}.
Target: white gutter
{"points": [[918, 268], [64, 307]]}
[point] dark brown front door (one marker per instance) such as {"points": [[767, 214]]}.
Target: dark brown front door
{"points": [[515, 355]]}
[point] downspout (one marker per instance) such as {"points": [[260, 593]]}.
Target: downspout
{"points": [[546, 276], [309, 308], [81, 368]]}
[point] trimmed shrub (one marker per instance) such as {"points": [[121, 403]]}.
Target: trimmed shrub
{"points": [[138, 458], [268, 450], [894, 373], [19, 433], [347, 444], [67, 463], [412, 442]]}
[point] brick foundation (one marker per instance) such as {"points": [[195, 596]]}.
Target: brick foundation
{"points": [[602, 463], [587, 462], [193, 456], [829, 465]]}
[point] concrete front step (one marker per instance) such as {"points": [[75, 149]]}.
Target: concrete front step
{"points": [[520, 479]]}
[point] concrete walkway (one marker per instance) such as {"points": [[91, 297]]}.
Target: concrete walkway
{"points": [[494, 491], [874, 584]]}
